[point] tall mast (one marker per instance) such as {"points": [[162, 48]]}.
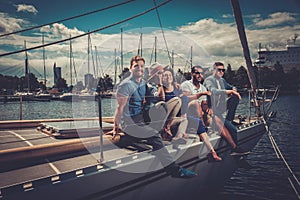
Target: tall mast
{"points": [[70, 61], [27, 73], [173, 59], [155, 43], [122, 49], [191, 60], [26, 59], [241, 30], [140, 47], [88, 50], [44, 59], [98, 58], [115, 66], [141, 44]]}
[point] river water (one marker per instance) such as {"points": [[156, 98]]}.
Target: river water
{"points": [[266, 179]]}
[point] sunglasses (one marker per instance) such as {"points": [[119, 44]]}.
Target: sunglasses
{"points": [[221, 70], [198, 72]]}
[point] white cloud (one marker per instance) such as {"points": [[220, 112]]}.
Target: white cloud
{"points": [[275, 19], [222, 43], [227, 16], [212, 41], [26, 8], [9, 24]]}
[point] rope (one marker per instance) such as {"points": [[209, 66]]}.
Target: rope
{"points": [[279, 154], [162, 30], [66, 19], [84, 34], [294, 188]]}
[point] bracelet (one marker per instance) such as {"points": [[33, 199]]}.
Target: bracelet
{"points": [[159, 85]]}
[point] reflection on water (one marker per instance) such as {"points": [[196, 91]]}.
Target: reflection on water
{"points": [[266, 176], [55, 109]]}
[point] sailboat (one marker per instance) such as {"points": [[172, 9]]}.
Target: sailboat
{"points": [[66, 170]]}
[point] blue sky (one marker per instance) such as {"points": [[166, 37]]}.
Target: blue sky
{"points": [[207, 24]]}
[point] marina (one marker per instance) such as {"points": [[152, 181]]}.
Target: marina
{"points": [[65, 141]]}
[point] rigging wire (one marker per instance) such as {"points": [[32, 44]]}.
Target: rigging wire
{"points": [[84, 34], [66, 19], [162, 30], [280, 155]]}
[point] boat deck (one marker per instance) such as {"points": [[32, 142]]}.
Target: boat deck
{"points": [[30, 154]]}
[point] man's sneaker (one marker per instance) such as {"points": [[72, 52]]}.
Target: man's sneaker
{"points": [[183, 173], [238, 151]]}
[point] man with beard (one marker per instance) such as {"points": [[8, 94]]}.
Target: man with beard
{"points": [[199, 107]]}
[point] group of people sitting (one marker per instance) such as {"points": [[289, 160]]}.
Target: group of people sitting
{"points": [[154, 107]]}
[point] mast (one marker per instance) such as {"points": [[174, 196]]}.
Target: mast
{"points": [[173, 59], [26, 59], [191, 60], [44, 59], [70, 61], [155, 43], [140, 47], [122, 49], [141, 44], [27, 67], [241, 31], [88, 51], [115, 66], [98, 58]]}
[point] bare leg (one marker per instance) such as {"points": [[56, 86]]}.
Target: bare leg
{"points": [[224, 131], [195, 109], [205, 139]]}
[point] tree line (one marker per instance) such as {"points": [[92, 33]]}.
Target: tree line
{"points": [[265, 77]]}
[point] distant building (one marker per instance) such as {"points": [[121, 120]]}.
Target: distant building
{"points": [[88, 81], [57, 73], [288, 59]]}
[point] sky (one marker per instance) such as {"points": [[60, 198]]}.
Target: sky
{"points": [[201, 29]]}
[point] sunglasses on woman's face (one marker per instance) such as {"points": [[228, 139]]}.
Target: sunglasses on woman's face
{"points": [[198, 73]]}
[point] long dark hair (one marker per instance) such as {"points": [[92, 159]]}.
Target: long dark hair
{"points": [[168, 68]]}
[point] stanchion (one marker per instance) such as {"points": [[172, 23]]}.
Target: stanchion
{"points": [[100, 124]]}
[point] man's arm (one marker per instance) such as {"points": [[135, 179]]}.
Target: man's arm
{"points": [[187, 92], [210, 84], [121, 102]]}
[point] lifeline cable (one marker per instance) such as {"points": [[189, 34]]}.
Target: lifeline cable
{"points": [[84, 34], [66, 19]]}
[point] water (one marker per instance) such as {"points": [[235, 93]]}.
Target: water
{"points": [[268, 177], [54, 109], [266, 180]]}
